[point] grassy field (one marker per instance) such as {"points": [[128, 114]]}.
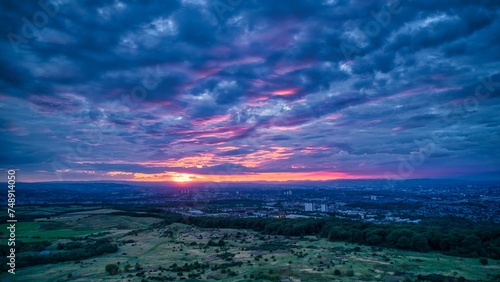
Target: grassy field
{"points": [[40, 231], [75, 224], [52, 210], [231, 255]]}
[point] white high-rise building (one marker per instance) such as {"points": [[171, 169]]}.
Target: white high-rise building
{"points": [[324, 208], [308, 206]]}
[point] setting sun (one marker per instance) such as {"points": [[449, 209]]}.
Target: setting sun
{"points": [[183, 177]]}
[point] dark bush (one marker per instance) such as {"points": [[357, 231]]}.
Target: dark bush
{"points": [[112, 269]]}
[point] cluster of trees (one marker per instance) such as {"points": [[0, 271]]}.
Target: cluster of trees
{"points": [[456, 241], [22, 247], [187, 267], [87, 250], [226, 256], [212, 243], [469, 241], [440, 277], [114, 268], [263, 276], [70, 245]]}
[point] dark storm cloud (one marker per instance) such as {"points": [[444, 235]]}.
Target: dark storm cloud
{"points": [[153, 86]]}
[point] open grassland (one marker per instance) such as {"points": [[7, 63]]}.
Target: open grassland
{"points": [[52, 210], [178, 251], [36, 231], [76, 225]]}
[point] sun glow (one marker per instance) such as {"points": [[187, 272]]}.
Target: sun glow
{"points": [[168, 176], [183, 177]]}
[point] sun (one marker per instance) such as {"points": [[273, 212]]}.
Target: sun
{"points": [[183, 177]]}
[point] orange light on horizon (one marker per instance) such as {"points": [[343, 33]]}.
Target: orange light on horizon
{"points": [[245, 177], [183, 177], [167, 176]]}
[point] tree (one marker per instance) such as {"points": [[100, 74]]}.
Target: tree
{"points": [[444, 244], [420, 243], [373, 239], [403, 242], [393, 237], [471, 245], [112, 269], [357, 236]]}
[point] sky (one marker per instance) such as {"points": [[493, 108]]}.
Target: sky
{"points": [[247, 90]]}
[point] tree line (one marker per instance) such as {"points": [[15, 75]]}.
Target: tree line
{"points": [[65, 252], [467, 241]]}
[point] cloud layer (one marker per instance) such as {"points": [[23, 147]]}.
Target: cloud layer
{"points": [[222, 90]]}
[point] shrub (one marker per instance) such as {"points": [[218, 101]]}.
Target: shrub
{"points": [[112, 269]]}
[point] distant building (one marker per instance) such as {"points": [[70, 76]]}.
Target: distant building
{"points": [[324, 208], [308, 206]]}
